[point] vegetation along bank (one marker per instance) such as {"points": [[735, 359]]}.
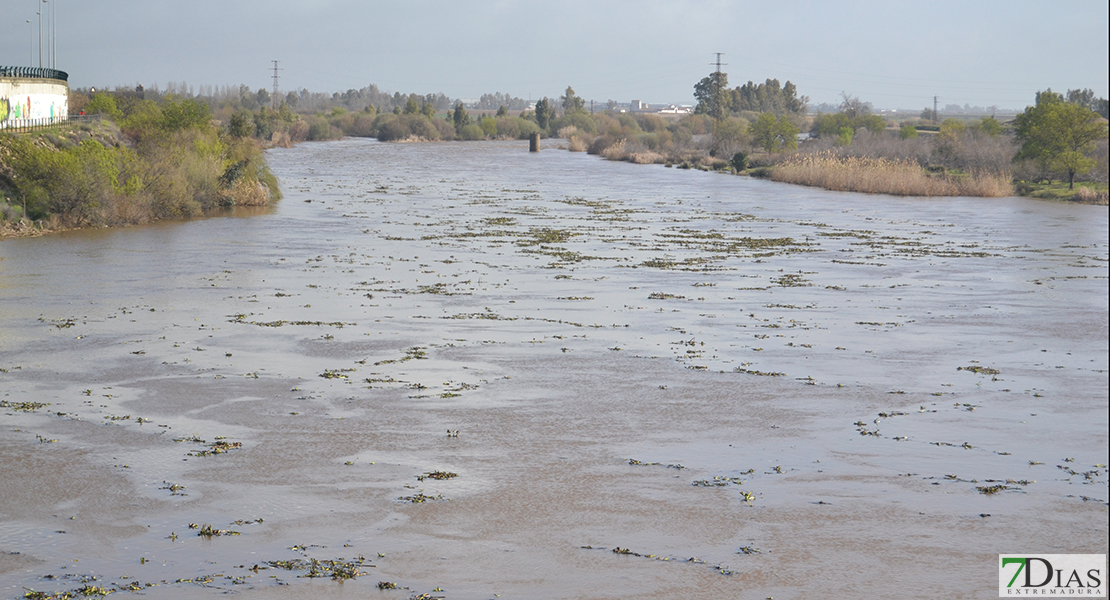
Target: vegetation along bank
{"points": [[156, 155], [1055, 149], [143, 161]]}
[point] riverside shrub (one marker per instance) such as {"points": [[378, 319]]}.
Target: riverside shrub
{"points": [[165, 161]]}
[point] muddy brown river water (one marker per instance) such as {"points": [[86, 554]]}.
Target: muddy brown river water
{"points": [[466, 371]]}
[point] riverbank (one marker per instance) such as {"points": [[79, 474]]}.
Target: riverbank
{"points": [[869, 175], [158, 162]]}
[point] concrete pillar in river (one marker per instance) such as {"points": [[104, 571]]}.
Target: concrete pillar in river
{"points": [[534, 142]]}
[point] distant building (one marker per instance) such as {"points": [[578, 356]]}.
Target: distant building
{"points": [[676, 110], [637, 106]]}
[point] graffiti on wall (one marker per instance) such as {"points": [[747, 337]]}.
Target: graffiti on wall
{"points": [[39, 107]]}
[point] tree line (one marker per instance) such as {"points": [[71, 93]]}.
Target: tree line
{"points": [[752, 123]]}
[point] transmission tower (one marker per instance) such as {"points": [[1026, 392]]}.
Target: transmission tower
{"points": [[274, 96], [717, 112]]}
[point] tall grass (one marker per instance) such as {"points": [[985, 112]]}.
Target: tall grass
{"points": [[833, 171]]}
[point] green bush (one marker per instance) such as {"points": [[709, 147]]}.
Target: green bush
{"points": [[103, 104], [240, 125], [388, 127], [844, 136], [580, 120], [320, 129], [831, 125], [739, 161], [471, 132], [421, 126], [489, 126]]}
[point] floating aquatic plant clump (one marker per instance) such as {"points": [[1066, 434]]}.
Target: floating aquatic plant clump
{"points": [[437, 475], [208, 531], [338, 569], [420, 498], [979, 370], [220, 446], [26, 406], [242, 318]]}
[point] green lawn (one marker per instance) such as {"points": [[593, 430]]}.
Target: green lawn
{"points": [[1058, 190]]}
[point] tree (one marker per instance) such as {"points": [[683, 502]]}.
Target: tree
{"points": [[240, 125], [794, 103], [907, 132], [543, 113], [1084, 98], [990, 126], [186, 114], [1057, 135], [829, 125], [428, 109], [571, 102], [411, 106], [768, 97], [713, 96], [104, 104], [729, 136], [853, 107], [946, 144], [788, 133], [460, 118], [502, 111], [774, 135]]}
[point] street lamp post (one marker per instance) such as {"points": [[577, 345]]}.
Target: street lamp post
{"points": [[39, 13], [30, 42], [49, 37]]}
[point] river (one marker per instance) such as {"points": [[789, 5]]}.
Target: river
{"points": [[471, 371]]}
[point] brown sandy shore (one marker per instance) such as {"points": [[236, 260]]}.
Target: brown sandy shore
{"points": [[655, 394]]}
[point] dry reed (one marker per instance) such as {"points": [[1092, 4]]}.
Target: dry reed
{"points": [[1087, 195], [615, 151], [567, 132], [647, 158], [885, 176], [249, 193]]}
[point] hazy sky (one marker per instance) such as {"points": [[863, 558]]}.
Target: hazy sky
{"points": [[892, 53]]}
